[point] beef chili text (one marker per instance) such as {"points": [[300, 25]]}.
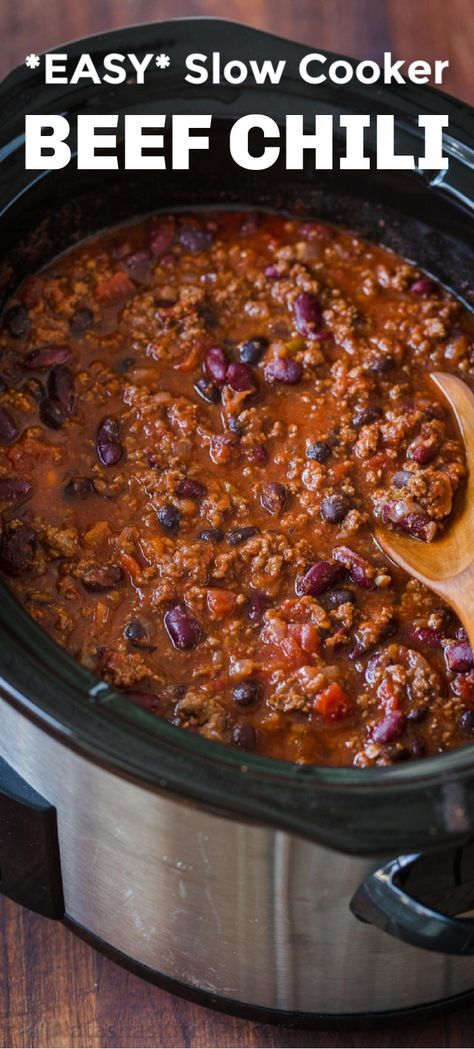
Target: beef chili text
{"points": [[201, 417]]}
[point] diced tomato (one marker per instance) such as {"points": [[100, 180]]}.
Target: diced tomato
{"points": [[333, 702], [114, 288], [220, 602], [306, 635], [130, 565]]}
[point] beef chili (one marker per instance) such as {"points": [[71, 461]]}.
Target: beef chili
{"points": [[201, 417]]}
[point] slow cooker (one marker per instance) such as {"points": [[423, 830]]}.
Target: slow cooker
{"points": [[275, 891]]}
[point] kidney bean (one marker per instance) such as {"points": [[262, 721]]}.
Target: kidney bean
{"points": [[14, 489], [401, 478], [318, 578], [8, 427], [416, 524], [45, 357], [424, 635], [216, 364], [272, 272], [341, 596], [360, 571], [245, 736], [162, 236], [424, 287], [189, 488], [240, 535], [52, 413], [137, 264], [273, 497], [81, 320], [208, 391], [247, 693], [461, 634], [98, 579], [182, 629], [308, 315], [79, 488], [459, 657], [17, 550], [61, 387], [169, 518], [256, 606], [109, 445], [334, 508], [147, 700], [240, 377], [424, 453], [17, 322], [466, 722], [366, 416], [259, 454], [285, 370], [195, 239], [211, 535], [251, 351], [320, 451], [389, 728]]}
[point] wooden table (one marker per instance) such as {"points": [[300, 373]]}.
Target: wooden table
{"points": [[54, 989]]}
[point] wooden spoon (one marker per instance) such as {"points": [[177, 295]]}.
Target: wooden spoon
{"points": [[447, 564]]}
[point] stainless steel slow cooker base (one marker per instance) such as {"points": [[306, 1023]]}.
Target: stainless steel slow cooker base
{"points": [[231, 909], [324, 1021]]}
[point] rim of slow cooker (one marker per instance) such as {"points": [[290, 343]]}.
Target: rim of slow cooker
{"points": [[46, 684]]}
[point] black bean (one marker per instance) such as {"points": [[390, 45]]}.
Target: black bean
{"points": [[124, 365], [99, 578], [334, 508], [247, 693], [466, 722], [17, 550], [16, 322], [208, 391], [365, 416], [211, 535], [79, 488], [14, 489], [109, 445], [273, 497], [169, 518], [245, 736], [251, 351], [341, 596], [183, 630], [240, 535], [52, 413], [8, 427], [319, 450], [81, 320], [137, 635]]}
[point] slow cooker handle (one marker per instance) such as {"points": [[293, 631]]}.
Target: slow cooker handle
{"points": [[382, 901], [30, 871]]}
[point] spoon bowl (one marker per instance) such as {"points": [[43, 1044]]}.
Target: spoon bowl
{"points": [[446, 565]]}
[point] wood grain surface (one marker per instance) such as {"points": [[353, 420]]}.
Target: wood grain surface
{"points": [[54, 989]]}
